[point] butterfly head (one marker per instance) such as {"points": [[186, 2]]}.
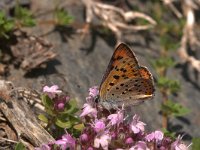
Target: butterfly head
{"points": [[97, 99]]}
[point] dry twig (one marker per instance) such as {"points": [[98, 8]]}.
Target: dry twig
{"points": [[189, 37], [114, 18], [170, 4]]}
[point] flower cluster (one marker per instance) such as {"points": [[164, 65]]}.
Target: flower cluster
{"points": [[67, 141], [109, 129], [59, 101]]}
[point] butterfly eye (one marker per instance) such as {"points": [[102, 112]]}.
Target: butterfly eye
{"points": [[97, 98]]}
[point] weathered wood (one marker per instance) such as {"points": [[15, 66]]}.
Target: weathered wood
{"points": [[21, 117]]}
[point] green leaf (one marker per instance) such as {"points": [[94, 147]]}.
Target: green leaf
{"points": [[73, 103], [63, 18], [29, 22], [24, 16], [9, 25], [50, 112], [63, 124], [71, 107], [20, 146], [142, 21], [168, 42], [43, 118], [104, 31], [74, 119], [79, 127], [174, 29], [163, 62], [174, 109], [157, 11], [6, 25], [172, 135], [196, 143], [172, 85], [47, 102]]}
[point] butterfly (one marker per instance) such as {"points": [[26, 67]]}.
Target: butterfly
{"points": [[125, 81]]}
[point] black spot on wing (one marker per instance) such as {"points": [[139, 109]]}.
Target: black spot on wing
{"points": [[116, 77], [119, 57], [111, 84]]}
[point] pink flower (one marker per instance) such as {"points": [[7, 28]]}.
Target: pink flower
{"points": [[88, 110], [163, 148], [103, 141], [91, 101], [181, 146], [60, 103], [116, 118], [150, 137], [84, 137], [99, 126], [136, 125], [113, 134], [140, 146], [93, 95], [157, 136], [66, 142], [129, 140], [94, 91], [51, 91], [178, 145], [43, 147]]}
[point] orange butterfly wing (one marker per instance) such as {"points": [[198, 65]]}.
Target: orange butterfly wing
{"points": [[125, 81]]}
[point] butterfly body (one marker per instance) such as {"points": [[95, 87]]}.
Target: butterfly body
{"points": [[125, 81]]}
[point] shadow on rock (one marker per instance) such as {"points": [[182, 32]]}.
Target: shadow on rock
{"points": [[188, 74], [47, 70], [90, 39]]}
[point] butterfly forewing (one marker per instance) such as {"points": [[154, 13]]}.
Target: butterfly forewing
{"points": [[121, 52], [125, 81]]}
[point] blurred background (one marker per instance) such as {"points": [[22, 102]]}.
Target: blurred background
{"points": [[70, 43]]}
